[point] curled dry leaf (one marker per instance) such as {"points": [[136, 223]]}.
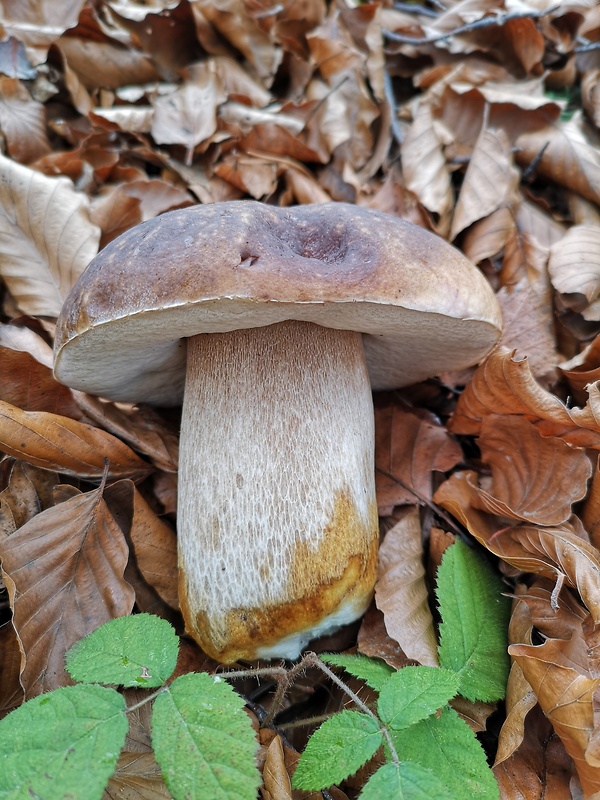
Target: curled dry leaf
{"points": [[153, 542], [539, 480], [555, 552], [28, 492], [503, 384], [409, 446], [141, 426], [64, 573], [563, 153], [27, 378], [573, 716], [65, 445], [490, 181], [46, 237], [529, 328], [423, 163], [401, 592], [23, 122], [275, 776], [574, 268]]}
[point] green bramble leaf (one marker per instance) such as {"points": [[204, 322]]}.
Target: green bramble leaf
{"points": [[415, 693], [473, 633], [337, 749], [139, 651], [373, 671], [448, 747], [404, 781], [203, 740], [63, 744]]}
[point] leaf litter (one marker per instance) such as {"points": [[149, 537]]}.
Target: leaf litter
{"points": [[478, 120]]}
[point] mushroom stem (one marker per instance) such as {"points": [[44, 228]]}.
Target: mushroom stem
{"points": [[277, 519]]}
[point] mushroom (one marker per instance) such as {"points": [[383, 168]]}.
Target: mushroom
{"points": [[288, 317]]}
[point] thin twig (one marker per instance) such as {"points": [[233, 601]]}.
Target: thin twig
{"points": [[423, 500], [485, 22]]}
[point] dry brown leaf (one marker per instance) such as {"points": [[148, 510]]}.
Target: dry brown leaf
{"points": [[188, 115], [140, 426], [567, 156], [275, 776], [575, 272], [27, 379], [409, 446], [105, 63], [65, 445], [155, 547], [529, 328], [256, 177], [28, 492], [64, 573], [401, 592], [137, 777], [534, 478], [503, 384], [582, 369], [46, 237], [374, 640], [487, 237], [557, 552], [40, 23], [423, 163], [11, 691], [540, 767], [566, 697], [490, 181], [23, 122]]}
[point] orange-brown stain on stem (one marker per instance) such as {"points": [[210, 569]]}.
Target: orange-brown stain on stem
{"points": [[342, 568]]}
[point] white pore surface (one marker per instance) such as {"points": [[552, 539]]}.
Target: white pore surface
{"points": [[277, 422]]}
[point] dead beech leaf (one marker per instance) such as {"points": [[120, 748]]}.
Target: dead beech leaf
{"points": [[537, 480], [540, 767], [575, 272], [487, 237], [155, 547], [188, 115], [555, 552], [275, 775], [141, 426], [137, 777], [490, 181], [582, 369], [591, 509], [423, 163], [46, 237], [567, 156], [409, 445], [529, 328], [23, 122], [503, 384], [401, 592], [65, 445], [566, 697], [31, 386], [28, 492], [11, 691], [64, 573]]}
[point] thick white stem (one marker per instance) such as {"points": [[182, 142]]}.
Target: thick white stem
{"points": [[277, 520]]}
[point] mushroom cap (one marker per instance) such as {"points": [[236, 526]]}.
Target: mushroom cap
{"points": [[423, 307]]}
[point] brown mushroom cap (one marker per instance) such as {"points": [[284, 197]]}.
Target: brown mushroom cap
{"points": [[423, 307]]}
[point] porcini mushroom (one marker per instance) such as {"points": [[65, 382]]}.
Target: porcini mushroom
{"points": [[277, 523]]}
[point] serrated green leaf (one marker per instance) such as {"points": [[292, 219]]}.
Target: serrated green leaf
{"points": [[473, 633], [448, 747], [373, 671], [337, 749], [414, 693], [404, 781], [64, 744], [204, 742], [139, 651]]}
